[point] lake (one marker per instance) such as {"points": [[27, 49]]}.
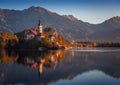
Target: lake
{"points": [[86, 66]]}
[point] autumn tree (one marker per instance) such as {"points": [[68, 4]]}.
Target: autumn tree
{"points": [[8, 40], [60, 38]]}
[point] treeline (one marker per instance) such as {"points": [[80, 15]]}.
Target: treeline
{"points": [[108, 44], [11, 41], [46, 43], [97, 44]]}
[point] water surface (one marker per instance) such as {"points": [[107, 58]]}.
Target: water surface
{"points": [[91, 66]]}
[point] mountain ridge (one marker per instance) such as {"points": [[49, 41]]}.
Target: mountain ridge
{"points": [[37, 8], [69, 26]]}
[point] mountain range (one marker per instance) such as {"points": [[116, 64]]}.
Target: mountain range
{"points": [[70, 27]]}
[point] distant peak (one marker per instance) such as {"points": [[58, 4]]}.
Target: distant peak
{"points": [[71, 17], [39, 9], [36, 7], [115, 18]]}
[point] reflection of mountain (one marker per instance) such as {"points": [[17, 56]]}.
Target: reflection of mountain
{"points": [[106, 62], [83, 62], [68, 68]]}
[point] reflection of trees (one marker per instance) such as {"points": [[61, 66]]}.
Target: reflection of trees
{"points": [[28, 57], [7, 56], [52, 58], [39, 60]]}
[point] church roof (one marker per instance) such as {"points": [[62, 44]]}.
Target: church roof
{"points": [[34, 32]]}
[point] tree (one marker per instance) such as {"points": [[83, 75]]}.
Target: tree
{"points": [[8, 40], [47, 42], [60, 38]]}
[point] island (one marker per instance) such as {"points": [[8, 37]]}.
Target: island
{"points": [[32, 38]]}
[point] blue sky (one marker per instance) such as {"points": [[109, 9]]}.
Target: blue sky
{"points": [[93, 11]]}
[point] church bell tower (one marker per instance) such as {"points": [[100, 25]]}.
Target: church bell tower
{"points": [[40, 28]]}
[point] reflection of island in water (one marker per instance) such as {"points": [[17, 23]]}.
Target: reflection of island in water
{"points": [[32, 58], [43, 68], [7, 57]]}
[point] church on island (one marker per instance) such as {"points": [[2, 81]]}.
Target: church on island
{"points": [[38, 33], [48, 37]]}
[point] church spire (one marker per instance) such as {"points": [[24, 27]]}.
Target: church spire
{"points": [[39, 22], [40, 27]]}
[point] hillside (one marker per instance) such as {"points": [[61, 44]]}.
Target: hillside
{"points": [[109, 30], [67, 25]]}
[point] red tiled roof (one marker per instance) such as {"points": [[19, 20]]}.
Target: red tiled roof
{"points": [[34, 32]]}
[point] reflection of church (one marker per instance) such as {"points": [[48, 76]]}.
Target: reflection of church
{"points": [[40, 60]]}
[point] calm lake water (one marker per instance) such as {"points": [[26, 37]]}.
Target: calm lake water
{"points": [[88, 66]]}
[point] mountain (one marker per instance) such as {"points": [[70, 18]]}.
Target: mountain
{"points": [[109, 30], [69, 26], [70, 17], [18, 20]]}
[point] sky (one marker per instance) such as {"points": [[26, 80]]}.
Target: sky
{"points": [[92, 11]]}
